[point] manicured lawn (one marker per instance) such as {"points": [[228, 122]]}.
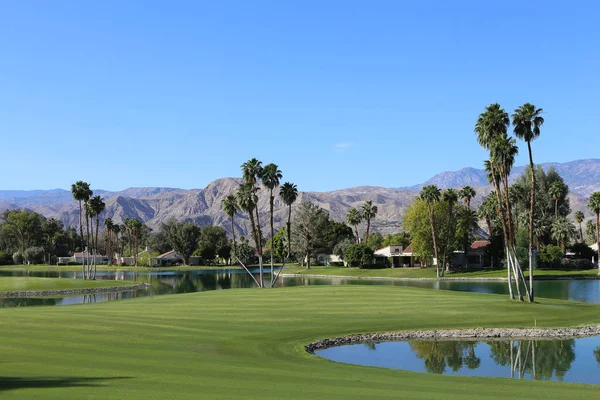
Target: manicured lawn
{"points": [[43, 267], [249, 344], [14, 284], [428, 272]]}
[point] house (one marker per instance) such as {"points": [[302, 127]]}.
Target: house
{"points": [[88, 257], [171, 258], [477, 257], [393, 252]]}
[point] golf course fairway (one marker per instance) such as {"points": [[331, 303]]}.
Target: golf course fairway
{"points": [[249, 344]]}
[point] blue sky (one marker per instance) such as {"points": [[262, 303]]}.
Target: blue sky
{"points": [[337, 93]]}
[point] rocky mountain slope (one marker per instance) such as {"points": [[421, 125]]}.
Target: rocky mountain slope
{"points": [[203, 206]]}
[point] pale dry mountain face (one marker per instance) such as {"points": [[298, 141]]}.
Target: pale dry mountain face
{"points": [[203, 206]]}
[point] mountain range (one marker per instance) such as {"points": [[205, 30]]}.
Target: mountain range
{"points": [[154, 205]]}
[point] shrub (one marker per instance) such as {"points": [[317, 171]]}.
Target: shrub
{"points": [[336, 264], [61, 263], [551, 256], [34, 255], [5, 259], [72, 263], [358, 254], [577, 264], [373, 266], [18, 257], [583, 251]]}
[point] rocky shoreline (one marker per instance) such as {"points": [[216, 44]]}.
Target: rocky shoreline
{"points": [[67, 292], [454, 334]]}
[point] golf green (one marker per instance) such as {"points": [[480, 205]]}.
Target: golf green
{"points": [[249, 344]]}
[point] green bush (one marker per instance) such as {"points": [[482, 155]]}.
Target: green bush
{"points": [[373, 266], [577, 264], [61, 263], [18, 258], [358, 254], [336, 264], [73, 263], [551, 256], [583, 251], [5, 259]]}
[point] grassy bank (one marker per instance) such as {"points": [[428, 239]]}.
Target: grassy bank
{"points": [[76, 268], [16, 284], [248, 344], [429, 272]]}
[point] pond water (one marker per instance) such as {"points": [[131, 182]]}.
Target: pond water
{"points": [[172, 282], [573, 360]]}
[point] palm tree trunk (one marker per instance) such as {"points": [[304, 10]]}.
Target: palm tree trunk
{"points": [[82, 243], [261, 282], [357, 237], [233, 235], [580, 233], [289, 230], [368, 228], [87, 227], [598, 240], [556, 208], [95, 261], [272, 199], [531, 208], [435, 252]]}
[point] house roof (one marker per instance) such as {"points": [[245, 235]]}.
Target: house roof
{"points": [[80, 254], [480, 245], [408, 250], [168, 253]]}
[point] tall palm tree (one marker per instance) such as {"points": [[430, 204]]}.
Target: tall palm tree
{"points": [[247, 198], [579, 218], [229, 206], [430, 194], [492, 126], [527, 122], [109, 227], [271, 175], [81, 192], [467, 193], [369, 211], [251, 173], [354, 218], [488, 210], [541, 227], [556, 192], [451, 197], [289, 193], [97, 205], [594, 205], [562, 230], [89, 214]]}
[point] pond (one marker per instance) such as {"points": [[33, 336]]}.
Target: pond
{"points": [[573, 360], [173, 282]]}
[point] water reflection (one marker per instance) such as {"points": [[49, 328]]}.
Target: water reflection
{"points": [[572, 360]]}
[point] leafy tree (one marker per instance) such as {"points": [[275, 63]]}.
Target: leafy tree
{"points": [[212, 238], [374, 241], [340, 247], [34, 255], [396, 239], [430, 195], [5, 259], [339, 232], [183, 237], [277, 245], [594, 205], [25, 226], [310, 230], [358, 254], [551, 256], [18, 258], [354, 218], [579, 218], [369, 211], [52, 230], [288, 193]]}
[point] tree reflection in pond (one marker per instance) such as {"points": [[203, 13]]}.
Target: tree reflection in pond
{"points": [[541, 360]]}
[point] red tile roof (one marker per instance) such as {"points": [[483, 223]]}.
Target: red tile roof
{"points": [[480, 244], [408, 249]]}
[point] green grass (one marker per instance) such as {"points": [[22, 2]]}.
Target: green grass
{"points": [[428, 272], [14, 284], [249, 344], [44, 267]]}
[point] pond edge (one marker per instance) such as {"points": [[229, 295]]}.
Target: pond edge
{"points": [[455, 334], [62, 292]]}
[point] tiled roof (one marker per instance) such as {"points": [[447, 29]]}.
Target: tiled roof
{"points": [[168, 253], [480, 244]]}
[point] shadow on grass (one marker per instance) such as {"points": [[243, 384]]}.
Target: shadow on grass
{"points": [[10, 383]]}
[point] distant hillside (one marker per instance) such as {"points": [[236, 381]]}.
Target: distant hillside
{"points": [[203, 206]]}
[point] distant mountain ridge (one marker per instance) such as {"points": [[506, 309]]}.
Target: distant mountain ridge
{"points": [[154, 205]]}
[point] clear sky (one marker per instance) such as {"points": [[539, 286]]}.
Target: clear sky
{"points": [[337, 93]]}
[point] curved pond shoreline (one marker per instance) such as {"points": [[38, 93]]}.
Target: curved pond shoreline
{"points": [[63, 292], [443, 279], [452, 334]]}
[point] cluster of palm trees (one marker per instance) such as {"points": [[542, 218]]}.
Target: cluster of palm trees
{"points": [[492, 134], [594, 205], [246, 200], [91, 206], [355, 217], [431, 195]]}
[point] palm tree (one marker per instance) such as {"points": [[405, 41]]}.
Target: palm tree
{"points": [[97, 205], [251, 173], [562, 230], [594, 205], [451, 197], [430, 194], [527, 122], [271, 176], [354, 218], [541, 227], [229, 206], [579, 218], [488, 210], [289, 193], [556, 192], [109, 227], [369, 211], [247, 198], [467, 193], [81, 192]]}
